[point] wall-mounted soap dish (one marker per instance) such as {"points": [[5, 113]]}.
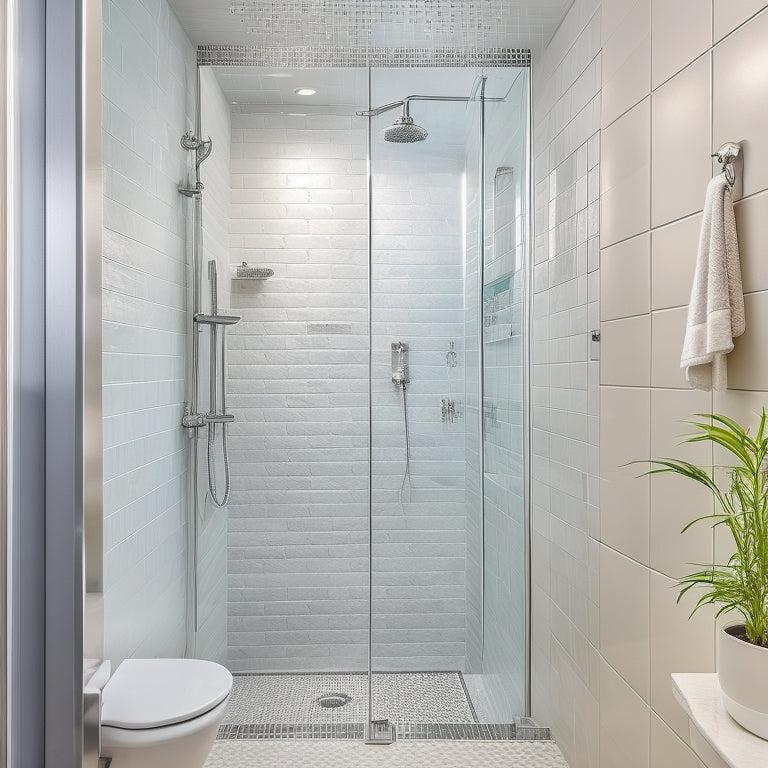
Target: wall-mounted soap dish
{"points": [[246, 271]]}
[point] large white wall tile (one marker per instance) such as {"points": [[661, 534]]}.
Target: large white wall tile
{"points": [[624, 438], [624, 610], [624, 723], [625, 175], [681, 164], [747, 364], [678, 644], [681, 31], [674, 250], [626, 352], [675, 501], [740, 84], [668, 750], [746, 408], [627, 62], [614, 14], [625, 278], [752, 230], [743, 406], [667, 335], [729, 14]]}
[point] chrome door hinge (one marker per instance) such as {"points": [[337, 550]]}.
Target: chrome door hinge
{"points": [[380, 732]]}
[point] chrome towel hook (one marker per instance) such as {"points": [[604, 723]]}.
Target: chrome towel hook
{"points": [[726, 156]]}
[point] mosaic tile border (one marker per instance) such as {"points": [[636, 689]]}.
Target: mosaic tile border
{"points": [[304, 57], [425, 731], [405, 23]]}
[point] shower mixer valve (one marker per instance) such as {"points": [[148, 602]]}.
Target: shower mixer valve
{"points": [[197, 420], [451, 410], [451, 359]]}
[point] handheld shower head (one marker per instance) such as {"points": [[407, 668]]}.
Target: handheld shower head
{"points": [[404, 130]]}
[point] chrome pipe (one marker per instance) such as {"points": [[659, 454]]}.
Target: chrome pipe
{"points": [[527, 332], [481, 358], [415, 97]]}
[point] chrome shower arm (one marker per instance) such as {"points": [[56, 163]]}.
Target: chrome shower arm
{"points": [[404, 103], [379, 110], [415, 97]]}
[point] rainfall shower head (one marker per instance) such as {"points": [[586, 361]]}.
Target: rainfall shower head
{"points": [[404, 130]]}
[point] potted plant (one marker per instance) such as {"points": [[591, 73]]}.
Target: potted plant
{"points": [[740, 585]]}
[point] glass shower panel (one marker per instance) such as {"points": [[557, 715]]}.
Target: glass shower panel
{"points": [[418, 443], [448, 533], [505, 279]]}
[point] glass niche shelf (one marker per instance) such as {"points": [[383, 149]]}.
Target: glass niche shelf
{"points": [[502, 310]]}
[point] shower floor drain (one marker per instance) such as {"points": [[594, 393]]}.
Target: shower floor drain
{"points": [[333, 700]]}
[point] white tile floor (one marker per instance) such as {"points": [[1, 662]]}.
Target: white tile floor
{"points": [[403, 754]]}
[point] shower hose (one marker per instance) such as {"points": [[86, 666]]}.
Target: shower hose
{"points": [[218, 361], [407, 471], [212, 470]]}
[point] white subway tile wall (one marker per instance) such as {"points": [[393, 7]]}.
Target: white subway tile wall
{"points": [[148, 98], [565, 488], [298, 371], [297, 553], [419, 565], [210, 640]]}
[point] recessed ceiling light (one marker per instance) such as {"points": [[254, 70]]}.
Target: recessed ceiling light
{"points": [[304, 91]]}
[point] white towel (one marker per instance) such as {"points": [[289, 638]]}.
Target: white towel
{"points": [[716, 309]]}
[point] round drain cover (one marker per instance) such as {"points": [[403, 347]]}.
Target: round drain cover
{"points": [[333, 700]]}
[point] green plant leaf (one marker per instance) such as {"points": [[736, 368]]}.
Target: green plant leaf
{"points": [[741, 493]]}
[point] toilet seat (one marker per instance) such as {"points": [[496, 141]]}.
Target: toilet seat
{"points": [[150, 693]]}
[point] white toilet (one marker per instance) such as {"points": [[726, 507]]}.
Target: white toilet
{"points": [[157, 713]]}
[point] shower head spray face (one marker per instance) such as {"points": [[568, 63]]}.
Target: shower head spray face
{"points": [[405, 131]]}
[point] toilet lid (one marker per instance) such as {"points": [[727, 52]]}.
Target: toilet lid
{"points": [[149, 693]]}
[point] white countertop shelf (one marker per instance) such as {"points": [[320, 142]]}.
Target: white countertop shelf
{"points": [[720, 740]]}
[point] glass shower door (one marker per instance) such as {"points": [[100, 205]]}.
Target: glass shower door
{"points": [[503, 677], [448, 581]]}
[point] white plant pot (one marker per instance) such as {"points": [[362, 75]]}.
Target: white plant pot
{"points": [[742, 669]]}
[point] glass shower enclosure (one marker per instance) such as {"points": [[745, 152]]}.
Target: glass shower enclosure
{"points": [[371, 567]]}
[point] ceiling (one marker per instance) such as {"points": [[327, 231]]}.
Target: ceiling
{"points": [[395, 23], [343, 87], [343, 91], [347, 87]]}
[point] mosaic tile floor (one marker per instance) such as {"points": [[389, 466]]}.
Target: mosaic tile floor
{"points": [[403, 754], [428, 697]]}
